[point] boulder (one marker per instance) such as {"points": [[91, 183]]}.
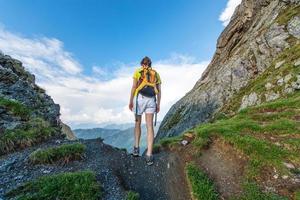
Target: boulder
{"points": [[250, 100], [269, 86], [296, 84], [66, 130], [287, 78], [270, 96], [297, 63], [279, 64], [280, 82], [294, 27]]}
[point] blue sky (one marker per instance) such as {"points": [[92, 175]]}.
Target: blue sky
{"points": [[98, 43], [107, 31]]}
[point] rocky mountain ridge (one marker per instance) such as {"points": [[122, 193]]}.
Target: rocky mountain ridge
{"points": [[257, 33], [27, 113], [19, 85]]}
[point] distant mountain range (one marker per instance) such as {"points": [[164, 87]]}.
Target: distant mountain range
{"points": [[118, 135]]}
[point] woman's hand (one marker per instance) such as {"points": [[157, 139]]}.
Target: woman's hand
{"points": [[130, 106], [157, 108]]}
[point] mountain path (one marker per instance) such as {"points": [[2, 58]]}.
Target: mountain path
{"points": [[116, 171]]}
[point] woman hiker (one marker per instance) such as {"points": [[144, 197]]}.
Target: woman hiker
{"points": [[145, 98]]}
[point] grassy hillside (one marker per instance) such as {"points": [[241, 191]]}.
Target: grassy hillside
{"points": [[268, 135], [266, 132], [32, 130]]}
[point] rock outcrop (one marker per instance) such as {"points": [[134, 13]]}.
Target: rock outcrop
{"points": [[16, 84], [66, 130], [258, 32]]}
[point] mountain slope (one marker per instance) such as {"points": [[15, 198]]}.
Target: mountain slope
{"points": [[259, 30], [95, 133], [121, 138], [265, 142], [27, 114], [19, 85]]}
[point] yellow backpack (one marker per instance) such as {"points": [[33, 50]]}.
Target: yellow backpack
{"points": [[147, 84]]}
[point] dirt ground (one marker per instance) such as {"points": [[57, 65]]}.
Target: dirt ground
{"points": [[220, 162], [224, 166]]}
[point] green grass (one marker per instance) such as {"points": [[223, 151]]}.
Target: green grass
{"points": [[168, 141], [61, 154], [284, 126], [248, 131], [202, 187], [35, 131], [297, 195], [65, 186], [285, 16], [252, 191], [15, 107], [131, 195], [294, 143], [220, 116], [266, 117]]}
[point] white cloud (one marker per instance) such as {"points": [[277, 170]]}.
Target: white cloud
{"points": [[41, 51], [89, 99], [228, 11], [100, 71]]}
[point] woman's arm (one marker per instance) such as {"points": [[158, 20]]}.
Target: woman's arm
{"points": [[133, 88]]}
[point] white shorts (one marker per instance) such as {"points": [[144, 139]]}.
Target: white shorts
{"points": [[145, 104]]}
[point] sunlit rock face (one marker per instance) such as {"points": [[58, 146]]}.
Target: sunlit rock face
{"points": [[255, 35]]}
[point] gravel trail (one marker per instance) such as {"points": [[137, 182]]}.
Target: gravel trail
{"points": [[116, 170]]}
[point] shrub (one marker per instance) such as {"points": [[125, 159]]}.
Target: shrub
{"points": [[169, 141], [17, 108], [287, 14], [252, 191], [33, 132], [67, 186], [62, 154], [131, 195]]}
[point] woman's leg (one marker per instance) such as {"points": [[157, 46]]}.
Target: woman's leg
{"points": [[137, 131], [150, 132]]}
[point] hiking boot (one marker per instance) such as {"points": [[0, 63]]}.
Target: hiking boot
{"points": [[149, 160], [136, 151]]}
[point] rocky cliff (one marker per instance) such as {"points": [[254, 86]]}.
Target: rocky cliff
{"points": [[27, 114], [259, 31], [19, 85]]}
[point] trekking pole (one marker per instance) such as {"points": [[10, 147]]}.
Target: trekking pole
{"points": [[136, 107], [155, 115], [155, 118]]}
